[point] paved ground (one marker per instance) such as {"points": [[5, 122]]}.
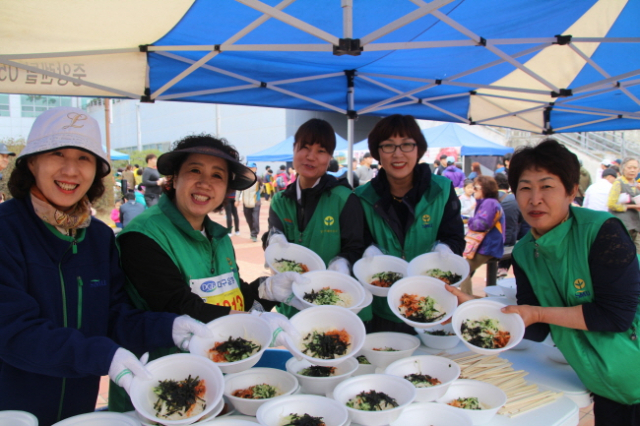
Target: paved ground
{"points": [[250, 258]]}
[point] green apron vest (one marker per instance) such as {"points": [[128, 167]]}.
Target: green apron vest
{"points": [[557, 266], [322, 234], [210, 266], [420, 237]]}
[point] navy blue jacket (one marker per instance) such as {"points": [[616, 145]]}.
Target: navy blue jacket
{"points": [[63, 314]]}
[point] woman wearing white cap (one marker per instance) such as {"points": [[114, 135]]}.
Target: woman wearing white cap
{"points": [[178, 260], [65, 314]]}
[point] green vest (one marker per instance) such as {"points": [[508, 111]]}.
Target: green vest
{"points": [[420, 237], [210, 265], [322, 234], [557, 266]]}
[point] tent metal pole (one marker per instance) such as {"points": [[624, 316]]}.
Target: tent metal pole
{"points": [[351, 115]]}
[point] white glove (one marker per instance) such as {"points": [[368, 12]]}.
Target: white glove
{"points": [[278, 239], [624, 198], [280, 326], [442, 248], [125, 365], [340, 264], [372, 251], [184, 327], [278, 288]]}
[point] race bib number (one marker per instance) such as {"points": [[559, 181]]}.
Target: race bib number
{"points": [[222, 290]]}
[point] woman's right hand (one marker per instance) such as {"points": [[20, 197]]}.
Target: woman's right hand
{"points": [[462, 297]]}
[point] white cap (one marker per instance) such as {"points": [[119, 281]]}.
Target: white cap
{"points": [[66, 127], [450, 159], [606, 162]]}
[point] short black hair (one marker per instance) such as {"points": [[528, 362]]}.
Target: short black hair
{"points": [[333, 165], [150, 157], [549, 155], [316, 131], [396, 125], [21, 181], [502, 181]]}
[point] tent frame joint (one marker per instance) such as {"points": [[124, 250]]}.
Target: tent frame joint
{"points": [[352, 114], [563, 39], [562, 93], [146, 98], [144, 48], [348, 46]]}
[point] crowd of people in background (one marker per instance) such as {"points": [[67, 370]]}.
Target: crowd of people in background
{"points": [[146, 290]]}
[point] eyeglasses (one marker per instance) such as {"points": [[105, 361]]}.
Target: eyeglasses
{"points": [[389, 148]]}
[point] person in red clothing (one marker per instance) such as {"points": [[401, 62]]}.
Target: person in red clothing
{"points": [[281, 180]]}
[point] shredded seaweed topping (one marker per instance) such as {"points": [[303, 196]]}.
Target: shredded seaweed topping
{"points": [[326, 345], [233, 350], [325, 296], [372, 401], [440, 333], [178, 396], [446, 276], [419, 309], [317, 371], [386, 349], [385, 279], [304, 420], [286, 265], [422, 379]]}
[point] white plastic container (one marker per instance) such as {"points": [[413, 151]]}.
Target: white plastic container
{"points": [[489, 396], [434, 341], [248, 327], [17, 418], [437, 367], [177, 367], [365, 268], [321, 385], [444, 261], [294, 252], [400, 389], [403, 343], [276, 410], [432, 414], [285, 382], [422, 286], [479, 309], [317, 280], [323, 319], [97, 418]]}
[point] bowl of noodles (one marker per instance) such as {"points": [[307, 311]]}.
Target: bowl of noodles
{"points": [[293, 258], [478, 400], [328, 335], [184, 388], [378, 273], [329, 288], [485, 329], [421, 302], [446, 267], [237, 343]]}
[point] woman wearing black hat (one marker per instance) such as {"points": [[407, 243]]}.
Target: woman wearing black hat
{"points": [[177, 259]]}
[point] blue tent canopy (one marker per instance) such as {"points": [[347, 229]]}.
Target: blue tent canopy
{"points": [[116, 155], [283, 151], [540, 66], [451, 135]]}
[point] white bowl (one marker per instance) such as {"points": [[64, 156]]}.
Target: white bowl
{"points": [[400, 389], [323, 319], [422, 286], [508, 287], [364, 268], [276, 410], [17, 418], [286, 383], [317, 280], [177, 367], [363, 368], [490, 396], [321, 385], [445, 261], [556, 355], [429, 413], [437, 367], [479, 309], [405, 345], [234, 421], [97, 418], [438, 342], [248, 327], [293, 252], [368, 299]]}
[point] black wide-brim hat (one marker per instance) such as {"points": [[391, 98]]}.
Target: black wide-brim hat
{"points": [[241, 176]]}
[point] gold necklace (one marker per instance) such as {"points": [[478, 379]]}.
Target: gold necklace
{"points": [[398, 199]]}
